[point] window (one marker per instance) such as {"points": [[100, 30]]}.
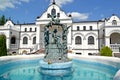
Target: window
{"points": [[58, 14], [84, 27], [14, 52], [35, 29], [30, 29], [25, 40], [13, 40], [90, 27], [114, 22], [25, 29], [78, 40], [34, 40], [78, 28], [90, 54], [48, 15], [90, 40], [53, 12], [79, 53]]}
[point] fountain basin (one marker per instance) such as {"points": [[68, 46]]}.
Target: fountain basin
{"points": [[55, 69], [85, 67], [117, 76]]}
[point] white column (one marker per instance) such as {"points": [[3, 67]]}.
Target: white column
{"points": [[96, 43], [8, 37], [38, 36], [8, 43], [107, 41]]}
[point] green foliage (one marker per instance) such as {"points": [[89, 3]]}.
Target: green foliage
{"points": [[106, 51], [3, 49], [2, 20]]}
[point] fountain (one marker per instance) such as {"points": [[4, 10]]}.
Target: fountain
{"points": [[55, 61]]}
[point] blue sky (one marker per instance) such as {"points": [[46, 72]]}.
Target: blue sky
{"points": [[26, 11]]}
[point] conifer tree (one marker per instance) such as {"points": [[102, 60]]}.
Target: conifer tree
{"points": [[2, 20], [3, 48]]}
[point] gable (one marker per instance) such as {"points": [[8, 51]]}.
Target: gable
{"points": [[113, 21], [53, 9]]}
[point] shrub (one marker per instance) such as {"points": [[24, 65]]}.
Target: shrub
{"points": [[106, 51], [3, 49]]}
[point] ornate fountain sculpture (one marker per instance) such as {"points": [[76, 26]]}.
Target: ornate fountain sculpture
{"points": [[55, 42]]}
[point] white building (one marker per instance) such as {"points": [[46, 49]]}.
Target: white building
{"points": [[84, 37]]}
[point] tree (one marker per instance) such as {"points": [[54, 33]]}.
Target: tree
{"points": [[106, 51], [2, 20], [3, 48]]}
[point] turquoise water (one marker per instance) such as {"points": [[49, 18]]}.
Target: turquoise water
{"points": [[82, 70]]}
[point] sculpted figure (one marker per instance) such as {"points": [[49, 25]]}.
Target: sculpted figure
{"points": [[64, 37], [55, 42]]}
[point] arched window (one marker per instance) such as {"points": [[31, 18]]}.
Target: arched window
{"points": [[114, 22], [13, 40], [25, 40], [90, 40], [53, 12], [34, 40], [78, 28], [84, 27], [35, 29], [30, 29], [90, 27], [25, 29], [78, 40]]}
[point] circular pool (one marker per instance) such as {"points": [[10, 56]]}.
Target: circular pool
{"points": [[84, 68]]}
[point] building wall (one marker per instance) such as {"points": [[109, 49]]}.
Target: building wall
{"points": [[85, 48], [28, 31], [110, 28], [100, 31]]}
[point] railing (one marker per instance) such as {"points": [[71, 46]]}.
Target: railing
{"points": [[14, 46], [115, 47]]}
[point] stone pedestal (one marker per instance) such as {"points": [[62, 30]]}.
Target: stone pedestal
{"points": [[55, 54]]}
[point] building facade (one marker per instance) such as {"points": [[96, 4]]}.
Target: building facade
{"points": [[84, 37]]}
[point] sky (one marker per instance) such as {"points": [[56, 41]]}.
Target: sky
{"points": [[26, 11]]}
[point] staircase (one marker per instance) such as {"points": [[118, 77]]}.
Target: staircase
{"points": [[37, 49]]}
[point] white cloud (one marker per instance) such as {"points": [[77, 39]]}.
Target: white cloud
{"points": [[79, 16], [10, 3], [62, 2]]}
